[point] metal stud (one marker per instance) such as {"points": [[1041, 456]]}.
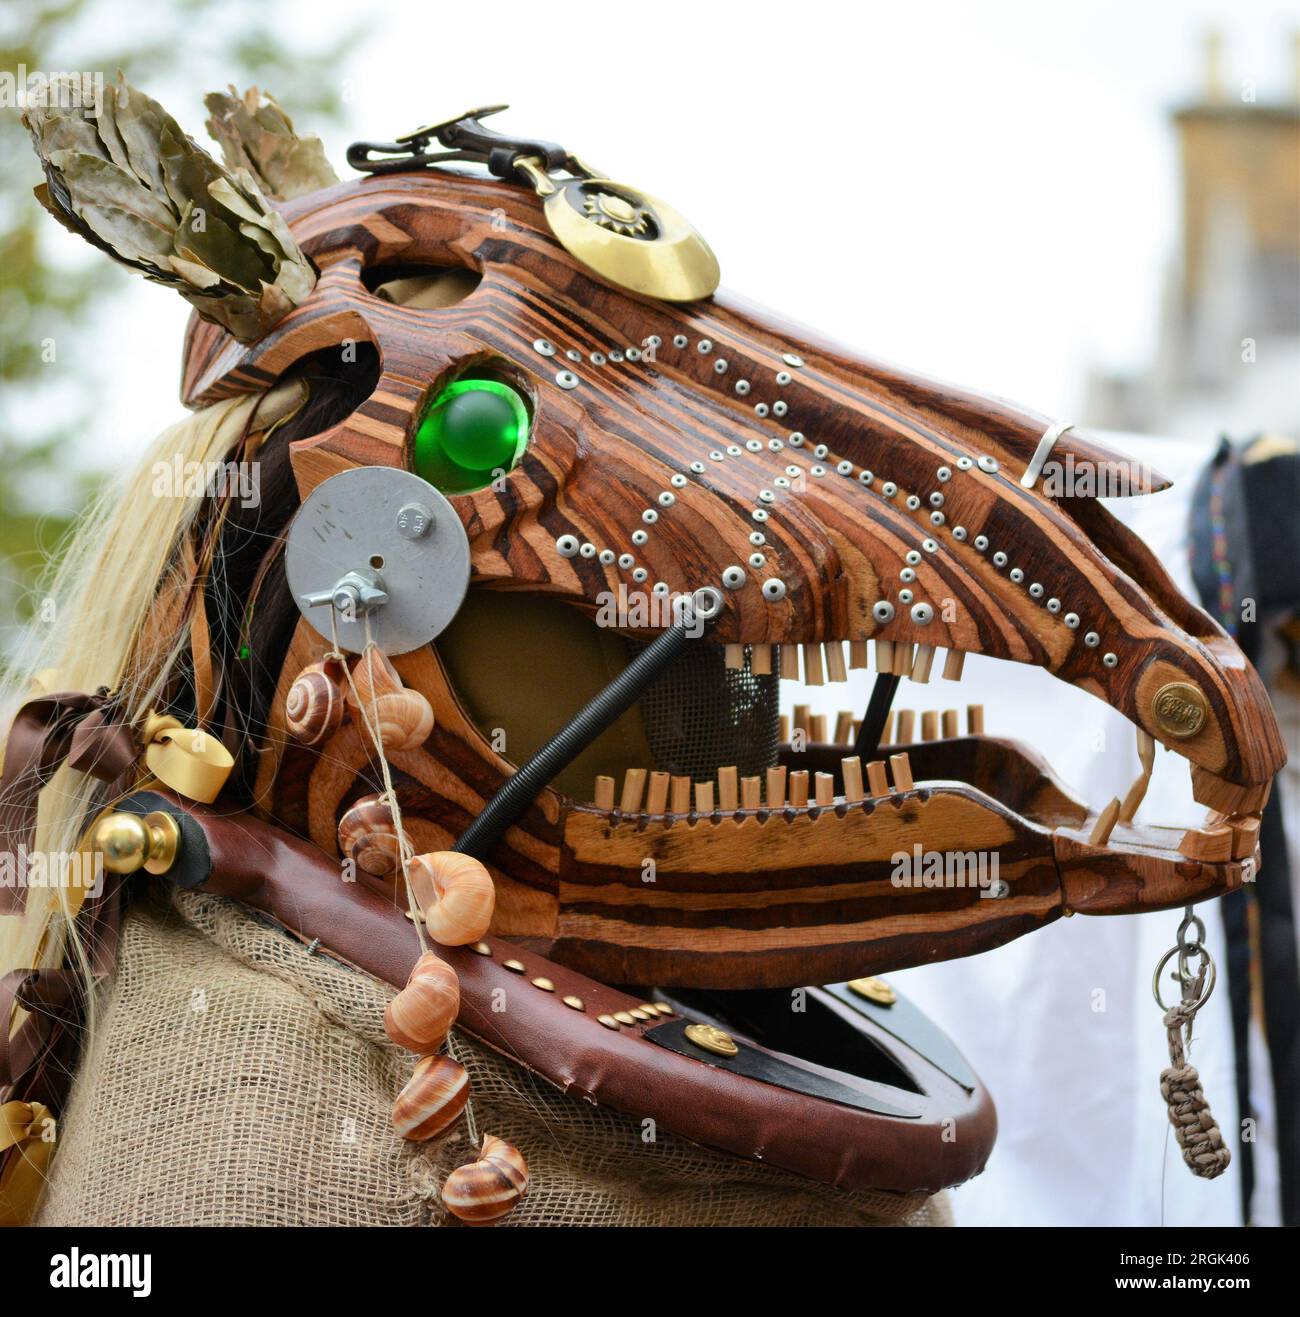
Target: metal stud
{"points": [[904, 596], [608, 1021], [667, 498], [566, 379], [567, 546], [883, 611], [791, 359], [999, 559], [640, 575], [1053, 605], [913, 502], [981, 542], [1110, 660], [574, 1003], [758, 514], [543, 347], [544, 984], [1071, 620], [481, 949], [573, 354], [679, 481], [907, 574], [742, 387], [626, 561], [597, 358], [964, 464], [1017, 575], [930, 546], [1092, 640], [625, 1017], [865, 477], [720, 366], [889, 489], [783, 377], [936, 499], [704, 347], [817, 470], [922, 614], [733, 577], [679, 340], [757, 560], [607, 556], [757, 538], [650, 516], [638, 1014], [943, 474], [796, 439], [989, 464], [959, 532], [937, 518], [766, 496], [588, 550], [912, 556], [779, 407], [698, 467], [773, 590], [1035, 591], [514, 966], [639, 537]]}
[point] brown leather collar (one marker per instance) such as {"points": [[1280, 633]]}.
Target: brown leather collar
{"points": [[943, 1139]]}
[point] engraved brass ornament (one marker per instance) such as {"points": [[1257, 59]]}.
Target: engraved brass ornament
{"points": [[1179, 709], [873, 989], [626, 236], [711, 1039]]}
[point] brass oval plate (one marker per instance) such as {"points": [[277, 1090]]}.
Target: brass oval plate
{"points": [[632, 239], [873, 989], [1179, 709]]}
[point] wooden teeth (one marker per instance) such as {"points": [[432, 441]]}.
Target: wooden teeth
{"points": [[952, 664], [661, 795], [760, 660]]}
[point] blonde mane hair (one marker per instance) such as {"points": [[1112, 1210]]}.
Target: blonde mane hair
{"points": [[125, 556]]}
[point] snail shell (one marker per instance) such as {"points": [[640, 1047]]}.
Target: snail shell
{"points": [[455, 895], [403, 719], [433, 1097], [373, 674], [367, 836], [422, 1013], [315, 706], [490, 1188]]}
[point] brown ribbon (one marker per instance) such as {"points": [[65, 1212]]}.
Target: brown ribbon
{"points": [[83, 730]]}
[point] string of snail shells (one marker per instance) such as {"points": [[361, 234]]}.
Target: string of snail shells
{"points": [[456, 899]]}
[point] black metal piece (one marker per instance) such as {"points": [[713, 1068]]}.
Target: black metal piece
{"points": [[873, 721], [465, 138], [521, 788], [193, 863]]}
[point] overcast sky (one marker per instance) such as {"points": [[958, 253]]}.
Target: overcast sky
{"points": [[980, 191]]}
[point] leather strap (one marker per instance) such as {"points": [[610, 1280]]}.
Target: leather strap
{"points": [[943, 1140]]}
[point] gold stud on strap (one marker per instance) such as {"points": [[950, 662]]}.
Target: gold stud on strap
{"points": [[872, 989]]}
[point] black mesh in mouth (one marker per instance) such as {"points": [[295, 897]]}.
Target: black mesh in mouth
{"points": [[701, 715]]}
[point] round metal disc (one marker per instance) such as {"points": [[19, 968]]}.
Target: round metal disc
{"points": [[632, 239], [368, 520]]}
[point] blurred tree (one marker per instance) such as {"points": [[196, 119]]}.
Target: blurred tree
{"points": [[177, 50]]}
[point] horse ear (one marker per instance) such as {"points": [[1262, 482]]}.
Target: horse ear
{"points": [[124, 176], [255, 134]]}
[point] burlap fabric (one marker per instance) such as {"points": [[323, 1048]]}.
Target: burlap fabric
{"points": [[234, 1079]]}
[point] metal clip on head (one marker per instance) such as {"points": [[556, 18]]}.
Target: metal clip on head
{"points": [[626, 236]]}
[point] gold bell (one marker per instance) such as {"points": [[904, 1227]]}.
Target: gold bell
{"points": [[129, 843]]}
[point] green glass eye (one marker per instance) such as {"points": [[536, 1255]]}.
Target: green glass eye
{"points": [[472, 429]]}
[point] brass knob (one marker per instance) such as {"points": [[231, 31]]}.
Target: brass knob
{"points": [[130, 843]]}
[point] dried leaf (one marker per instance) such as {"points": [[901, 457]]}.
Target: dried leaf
{"points": [[130, 182], [256, 135]]}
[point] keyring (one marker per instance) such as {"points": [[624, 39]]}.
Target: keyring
{"points": [[1206, 959]]}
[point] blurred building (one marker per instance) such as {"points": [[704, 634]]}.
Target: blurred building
{"points": [[1228, 357]]}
